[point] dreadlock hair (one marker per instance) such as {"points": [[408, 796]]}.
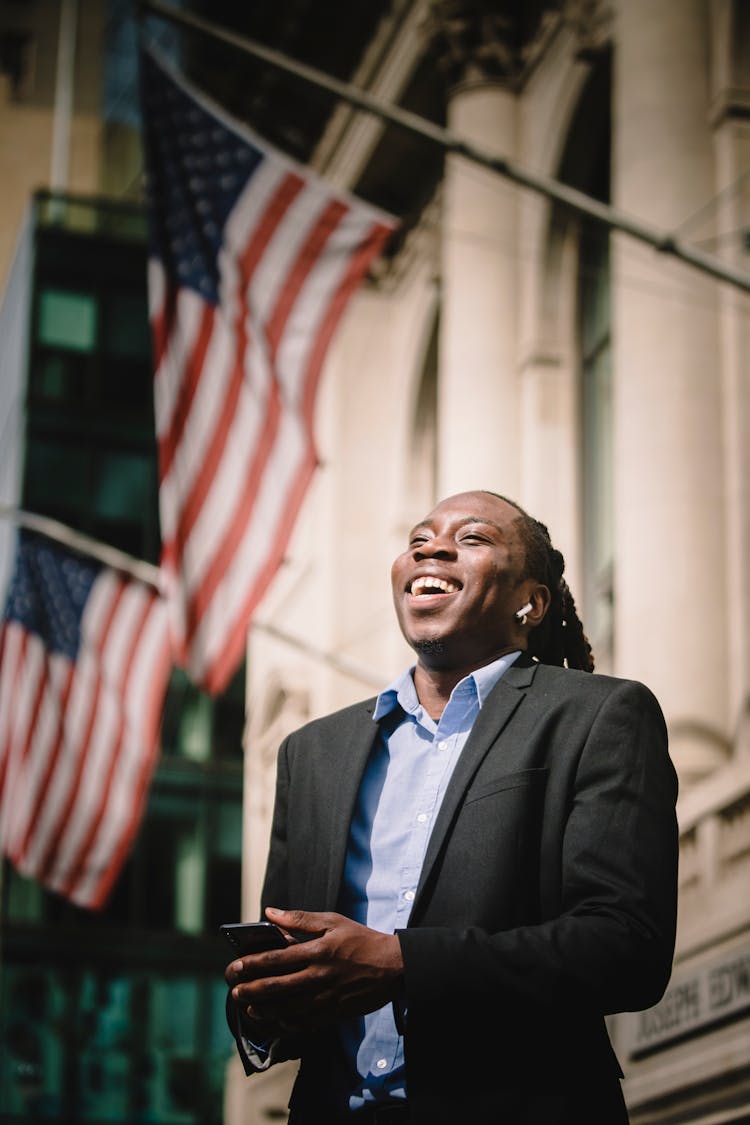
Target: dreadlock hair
{"points": [[560, 638]]}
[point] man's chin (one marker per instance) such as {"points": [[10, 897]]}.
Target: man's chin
{"points": [[430, 648]]}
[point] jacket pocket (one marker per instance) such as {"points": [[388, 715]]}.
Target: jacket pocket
{"points": [[487, 786]]}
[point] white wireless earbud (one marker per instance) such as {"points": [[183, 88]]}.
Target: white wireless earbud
{"points": [[521, 613]]}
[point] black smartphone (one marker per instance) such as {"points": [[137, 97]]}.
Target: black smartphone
{"points": [[253, 937]]}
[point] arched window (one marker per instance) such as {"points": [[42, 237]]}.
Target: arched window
{"points": [[596, 457], [585, 165], [423, 451]]}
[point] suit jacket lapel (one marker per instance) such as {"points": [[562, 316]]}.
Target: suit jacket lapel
{"points": [[492, 718], [357, 739]]}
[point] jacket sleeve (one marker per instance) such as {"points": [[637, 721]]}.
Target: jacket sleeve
{"points": [[275, 890], [254, 1057]]}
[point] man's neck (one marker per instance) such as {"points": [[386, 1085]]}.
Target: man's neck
{"points": [[434, 685], [434, 689]]}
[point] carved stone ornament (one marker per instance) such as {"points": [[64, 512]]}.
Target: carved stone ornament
{"points": [[282, 708], [475, 41], [591, 21]]}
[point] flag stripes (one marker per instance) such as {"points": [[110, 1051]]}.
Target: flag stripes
{"points": [[242, 318], [79, 734]]}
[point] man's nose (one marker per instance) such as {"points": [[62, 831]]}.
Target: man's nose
{"points": [[439, 547]]}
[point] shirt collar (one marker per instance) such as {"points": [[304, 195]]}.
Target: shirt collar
{"points": [[401, 691]]}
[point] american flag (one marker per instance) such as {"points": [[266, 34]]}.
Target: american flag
{"points": [[253, 262], [84, 665]]}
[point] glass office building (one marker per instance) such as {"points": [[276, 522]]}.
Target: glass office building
{"points": [[118, 1016]]}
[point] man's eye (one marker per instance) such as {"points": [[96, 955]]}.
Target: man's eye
{"points": [[474, 538], [417, 539]]}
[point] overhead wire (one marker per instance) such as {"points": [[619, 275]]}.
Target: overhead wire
{"points": [[664, 242]]}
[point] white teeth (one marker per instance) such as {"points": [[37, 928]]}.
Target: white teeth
{"points": [[427, 584]]}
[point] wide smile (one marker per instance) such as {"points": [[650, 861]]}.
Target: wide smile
{"points": [[430, 589]]}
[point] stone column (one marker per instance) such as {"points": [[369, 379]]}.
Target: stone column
{"points": [[731, 120], [670, 580], [478, 414]]}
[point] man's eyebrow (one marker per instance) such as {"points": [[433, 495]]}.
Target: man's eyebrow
{"points": [[481, 519], [428, 524]]}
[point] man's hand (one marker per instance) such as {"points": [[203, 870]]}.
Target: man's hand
{"points": [[342, 969]]}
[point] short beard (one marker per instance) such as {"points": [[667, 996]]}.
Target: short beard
{"points": [[430, 646]]}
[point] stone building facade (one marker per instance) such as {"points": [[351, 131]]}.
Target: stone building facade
{"points": [[511, 345]]}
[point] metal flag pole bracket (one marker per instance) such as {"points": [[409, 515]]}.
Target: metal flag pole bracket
{"points": [[662, 241], [152, 576]]}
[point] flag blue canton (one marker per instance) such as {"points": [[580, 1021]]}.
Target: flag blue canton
{"points": [[201, 167], [48, 592]]}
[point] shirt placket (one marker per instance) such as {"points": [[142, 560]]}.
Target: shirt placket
{"points": [[387, 1054], [441, 758]]}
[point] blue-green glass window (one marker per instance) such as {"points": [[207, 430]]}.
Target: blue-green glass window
{"points": [[67, 319]]}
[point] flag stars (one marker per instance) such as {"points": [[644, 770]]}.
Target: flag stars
{"points": [[45, 596], [23, 603], [201, 167]]}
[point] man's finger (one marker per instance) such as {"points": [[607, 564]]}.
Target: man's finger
{"points": [[288, 986], [306, 921], [271, 963]]}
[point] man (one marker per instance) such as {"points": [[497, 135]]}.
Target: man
{"points": [[479, 865]]}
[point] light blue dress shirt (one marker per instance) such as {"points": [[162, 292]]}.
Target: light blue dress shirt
{"points": [[399, 798]]}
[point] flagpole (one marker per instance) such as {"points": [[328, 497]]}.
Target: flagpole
{"points": [[63, 105], [340, 663], [77, 541], [152, 575], [664, 242]]}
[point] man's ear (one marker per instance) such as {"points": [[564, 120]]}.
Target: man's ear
{"points": [[540, 598]]}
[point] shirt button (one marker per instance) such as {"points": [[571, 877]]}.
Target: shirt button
{"points": [[442, 745], [422, 818], [381, 1064], [409, 896]]}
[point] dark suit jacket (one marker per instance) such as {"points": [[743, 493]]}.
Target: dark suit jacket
{"points": [[547, 897]]}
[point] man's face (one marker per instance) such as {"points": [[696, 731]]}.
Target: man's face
{"points": [[459, 584]]}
